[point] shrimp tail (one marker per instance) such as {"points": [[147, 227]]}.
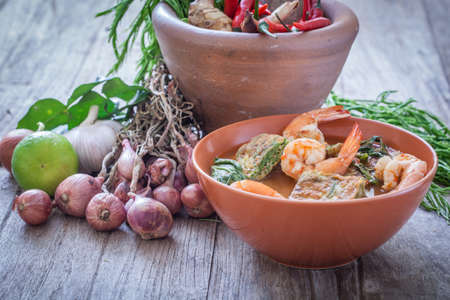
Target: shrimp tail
{"points": [[351, 145], [305, 125], [331, 113], [348, 151]]}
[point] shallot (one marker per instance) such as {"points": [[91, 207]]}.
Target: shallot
{"points": [[122, 191], [149, 218], [168, 196], [195, 201], [128, 161], [9, 143], [179, 181], [74, 193], [105, 212], [33, 206], [190, 172], [128, 204], [160, 170]]}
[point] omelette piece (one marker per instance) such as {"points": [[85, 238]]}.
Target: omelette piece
{"points": [[259, 156], [313, 185]]}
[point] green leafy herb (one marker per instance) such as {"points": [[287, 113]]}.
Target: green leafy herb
{"points": [[53, 113], [140, 28], [426, 125], [219, 4], [366, 173], [227, 171], [332, 190], [373, 147]]}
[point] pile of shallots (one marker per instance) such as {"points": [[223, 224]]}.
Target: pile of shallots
{"points": [[162, 190]]}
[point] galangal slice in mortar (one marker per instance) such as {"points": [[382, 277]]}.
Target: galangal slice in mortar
{"points": [[259, 156]]}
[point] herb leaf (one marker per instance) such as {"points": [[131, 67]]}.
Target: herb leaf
{"points": [[227, 171], [82, 90], [49, 111], [78, 112], [53, 113], [115, 87]]}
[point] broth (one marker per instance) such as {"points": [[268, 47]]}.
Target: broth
{"points": [[285, 184]]}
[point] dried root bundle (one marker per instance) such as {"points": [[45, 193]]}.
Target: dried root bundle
{"points": [[164, 126]]}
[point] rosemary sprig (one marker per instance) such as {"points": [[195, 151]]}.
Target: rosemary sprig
{"points": [[424, 124], [141, 27]]}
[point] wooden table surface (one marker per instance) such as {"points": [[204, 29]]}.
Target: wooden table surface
{"points": [[49, 47]]}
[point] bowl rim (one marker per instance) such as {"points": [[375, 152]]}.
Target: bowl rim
{"points": [[345, 18], [384, 196]]}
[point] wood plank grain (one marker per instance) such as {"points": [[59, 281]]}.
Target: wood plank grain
{"points": [[239, 272], [394, 50], [174, 267], [66, 258], [438, 16]]}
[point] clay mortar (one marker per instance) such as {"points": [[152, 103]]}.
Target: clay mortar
{"points": [[233, 76]]}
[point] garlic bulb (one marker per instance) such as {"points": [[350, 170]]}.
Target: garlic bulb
{"points": [[92, 140]]}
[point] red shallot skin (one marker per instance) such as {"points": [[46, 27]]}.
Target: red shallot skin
{"points": [[74, 193], [122, 191], [168, 196], [9, 143], [105, 212], [160, 170], [128, 204], [149, 218], [190, 172], [145, 192], [33, 206], [195, 202], [126, 161], [179, 181]]}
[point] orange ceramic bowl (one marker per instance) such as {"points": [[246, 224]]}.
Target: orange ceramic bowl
{"points": [[312, 234]]}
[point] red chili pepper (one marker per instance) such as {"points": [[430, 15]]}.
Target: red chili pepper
{"points": [[263, 10], [317, 11], [239, 16], [268, 27], [230, 6], [312, 24], [306, 14]]}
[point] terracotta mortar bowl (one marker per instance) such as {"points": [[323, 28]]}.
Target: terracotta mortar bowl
{"points": [[232, 76], [312, 234]]}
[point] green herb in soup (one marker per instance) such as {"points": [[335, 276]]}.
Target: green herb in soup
{"points": [[227, 171], [259, 156]]}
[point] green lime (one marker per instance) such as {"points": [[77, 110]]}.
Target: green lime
{"points": [[42, 160]]}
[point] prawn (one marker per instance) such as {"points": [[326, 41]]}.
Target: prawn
{"points": [[400, 172], [301, 154], [256, 187], [340, 164], [308, 154], [306, 124]]}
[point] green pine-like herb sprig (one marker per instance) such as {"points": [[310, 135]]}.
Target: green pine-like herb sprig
{"points": [[426, 125], [140, 28]]}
